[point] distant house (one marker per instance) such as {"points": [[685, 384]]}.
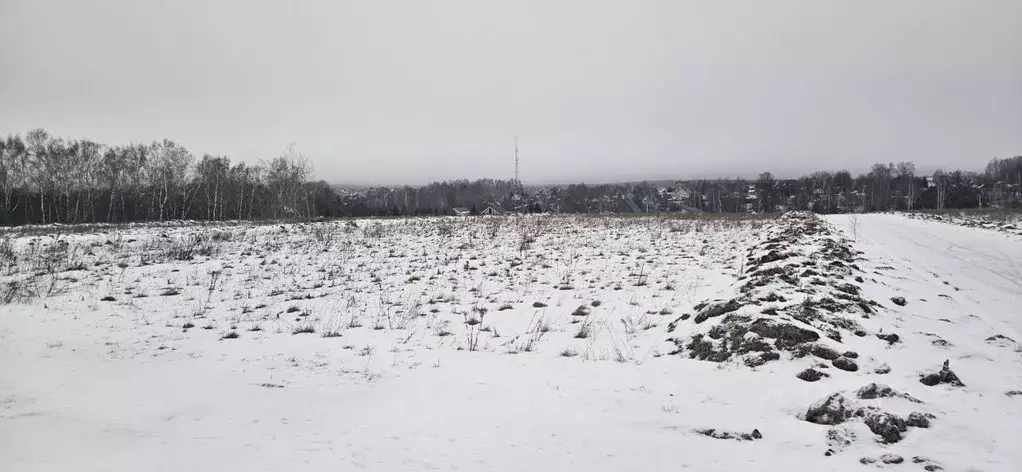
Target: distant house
{"points": [[688, 209], [677, 194], [460, 211], [493, 210]]}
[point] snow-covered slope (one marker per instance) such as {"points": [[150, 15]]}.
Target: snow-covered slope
{"points": [[546, 343]]}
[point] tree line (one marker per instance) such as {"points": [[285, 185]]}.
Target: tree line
{"points": [[890, 187], [46, 179], [886, 187]]}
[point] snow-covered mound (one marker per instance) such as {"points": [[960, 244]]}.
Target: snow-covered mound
{"points": [[799, 294]]}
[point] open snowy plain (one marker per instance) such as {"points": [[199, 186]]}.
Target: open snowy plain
{"points": [[521, 343]]}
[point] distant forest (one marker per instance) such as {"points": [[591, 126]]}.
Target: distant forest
{"points": [[46, 179]]}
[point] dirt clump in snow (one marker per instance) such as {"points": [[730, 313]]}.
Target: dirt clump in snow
{"points": [[845, 364], [730, 338], [702, 349], [721, 434], [919, 420], [928, 464], [832, 410], [773, 256], [891, 338], [717, 309], [838, 438], [1002, 341], [889, 427], [786, 336], [891, 459], [823, 352], [875, 390], [944, 376], [838, 408], [582, 310], [811, 375]]}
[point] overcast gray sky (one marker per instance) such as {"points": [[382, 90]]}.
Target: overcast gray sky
{"points": [[382, 91]]}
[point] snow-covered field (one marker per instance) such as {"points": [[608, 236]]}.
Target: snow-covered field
{"points": [[530, 343]]}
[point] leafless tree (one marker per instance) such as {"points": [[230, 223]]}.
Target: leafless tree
{"points": [[906, 173], [286, 178], [13, 174], [941, 182], [855, 225]]}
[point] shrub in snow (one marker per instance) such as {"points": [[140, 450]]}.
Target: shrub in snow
{"points": [[584, 330]]}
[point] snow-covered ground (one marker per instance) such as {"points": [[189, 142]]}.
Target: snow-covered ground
{"points": [[1006, 221], [974, 272], [533, 343], [963, 291]]}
